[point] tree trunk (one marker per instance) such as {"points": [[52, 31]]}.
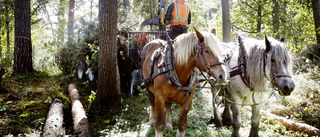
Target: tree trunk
{"points": [[71, 21], [276, 22], [8, 31], [22, 38], [80, 121], [53, 125], [108, 94], [61, 20], [284, 20], [316, 16], [0, 35], [226, 24], [259, 21]]}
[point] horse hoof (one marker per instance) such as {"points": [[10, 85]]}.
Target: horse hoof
{"points": [[215, 121], [227, 123], [169, 126]]}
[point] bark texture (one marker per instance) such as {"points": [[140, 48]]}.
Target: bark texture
{"points": [[226, 23], [316, 16], [53, 125], [22, 38], [108, 94], [80, 121], [61, 20], [71, 21], [276, 22]]}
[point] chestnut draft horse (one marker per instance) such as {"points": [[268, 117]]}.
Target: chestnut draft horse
{"points": [[201, 50]]}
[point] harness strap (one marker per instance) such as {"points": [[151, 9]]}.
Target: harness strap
{"points": [[237, 71], [155, 59], [241, 65]]}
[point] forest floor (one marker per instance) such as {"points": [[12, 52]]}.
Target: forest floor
{"points": [[25, 101]]}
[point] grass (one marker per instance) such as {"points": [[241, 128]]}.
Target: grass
{"points": [[24, 106], [25, 102]]}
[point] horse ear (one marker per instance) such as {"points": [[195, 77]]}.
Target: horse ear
{"points": [[240, 41], [213, 31], [282, 40], [268, 45], [199, 35]]}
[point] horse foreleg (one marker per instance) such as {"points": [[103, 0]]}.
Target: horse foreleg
{"points": [[255, 120], [182, 123], [226, 116], [168, 116], [216, 115], [159, 110], [152, 117], [236, 119]]}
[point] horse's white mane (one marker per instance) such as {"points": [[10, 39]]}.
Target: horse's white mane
{"points": [[186, 45], [255, 59]]}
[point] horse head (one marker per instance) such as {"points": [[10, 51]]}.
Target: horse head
{"points": [[278, 66], [209, 56]]}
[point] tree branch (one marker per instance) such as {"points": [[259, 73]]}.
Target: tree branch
{"points": [[248, 5], [244, 30]]}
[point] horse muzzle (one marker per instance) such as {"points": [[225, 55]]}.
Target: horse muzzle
{"points": [[220, 77], [286, 87]]}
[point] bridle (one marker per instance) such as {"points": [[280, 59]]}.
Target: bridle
{"points": [[205, 63], [273, 75], [271, 78]]}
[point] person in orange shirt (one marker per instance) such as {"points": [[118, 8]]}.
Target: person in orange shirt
{"points": [[179, 16]]}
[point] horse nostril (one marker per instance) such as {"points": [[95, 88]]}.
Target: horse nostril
{"points": [[220, 77], [285, 88]]}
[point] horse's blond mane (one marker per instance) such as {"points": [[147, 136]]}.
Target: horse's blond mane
{"points": [[255, 60], [186, 45]]}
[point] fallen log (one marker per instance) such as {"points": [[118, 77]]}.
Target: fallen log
{"points": [[80, 121], [289, 124], [53, 125]]}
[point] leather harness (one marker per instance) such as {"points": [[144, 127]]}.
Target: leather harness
{"points": [[168, 68], [242, 72], [241, 65]]}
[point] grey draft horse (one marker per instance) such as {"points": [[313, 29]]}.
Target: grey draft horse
{"points": [[265, 60]]}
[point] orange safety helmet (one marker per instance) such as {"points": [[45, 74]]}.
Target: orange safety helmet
{"points": [[179, 1]]}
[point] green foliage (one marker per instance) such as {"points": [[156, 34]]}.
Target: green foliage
{"points": [[204, 18], [91, 98], [295, 20], [69, 56]]}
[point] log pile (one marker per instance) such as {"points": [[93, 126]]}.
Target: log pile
{"points": [[80, 121], [53, 125]]}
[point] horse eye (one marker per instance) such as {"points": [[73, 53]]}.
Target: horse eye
{"points": [[207, 51], [273, 61]]}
